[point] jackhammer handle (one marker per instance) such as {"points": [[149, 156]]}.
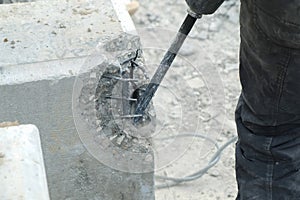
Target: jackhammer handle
{"points": [[164, 66]]}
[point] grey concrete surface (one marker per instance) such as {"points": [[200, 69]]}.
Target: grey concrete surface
{"points": [[45, 44], [72, 172], [47, 30]]}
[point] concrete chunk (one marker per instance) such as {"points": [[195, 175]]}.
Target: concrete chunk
{"points": [[22, 171]]}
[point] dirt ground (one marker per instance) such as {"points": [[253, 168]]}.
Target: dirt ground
{"points": [[199, 94]]}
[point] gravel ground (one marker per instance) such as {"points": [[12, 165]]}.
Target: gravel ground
{"points": [[200, 95]]}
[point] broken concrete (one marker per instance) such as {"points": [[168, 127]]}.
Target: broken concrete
{"points": [[47, 44]]}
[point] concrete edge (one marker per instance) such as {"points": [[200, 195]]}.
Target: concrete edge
{"points": [[124, 17], [53, 70]]}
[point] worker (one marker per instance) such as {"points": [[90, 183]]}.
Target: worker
{"points": [[268, 111]]}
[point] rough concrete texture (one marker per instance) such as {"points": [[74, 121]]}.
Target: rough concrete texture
{"points": [[46, 44], [107, 130], [47, 30], [22, 171]]}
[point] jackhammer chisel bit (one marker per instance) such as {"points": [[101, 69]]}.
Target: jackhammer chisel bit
{"points": [[164, 65]]}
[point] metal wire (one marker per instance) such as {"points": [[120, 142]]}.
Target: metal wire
{"points": [[120, 98], [174, 181], [121, 78]]}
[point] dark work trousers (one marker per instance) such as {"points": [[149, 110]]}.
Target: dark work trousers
{"points": [[268, 112]]}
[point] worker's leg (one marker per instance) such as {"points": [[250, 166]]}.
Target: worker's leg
{"points": [[268, 114], [267, 167]]}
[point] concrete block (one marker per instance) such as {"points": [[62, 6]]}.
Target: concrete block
{"points": [[45, 50], [22, 171]]}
